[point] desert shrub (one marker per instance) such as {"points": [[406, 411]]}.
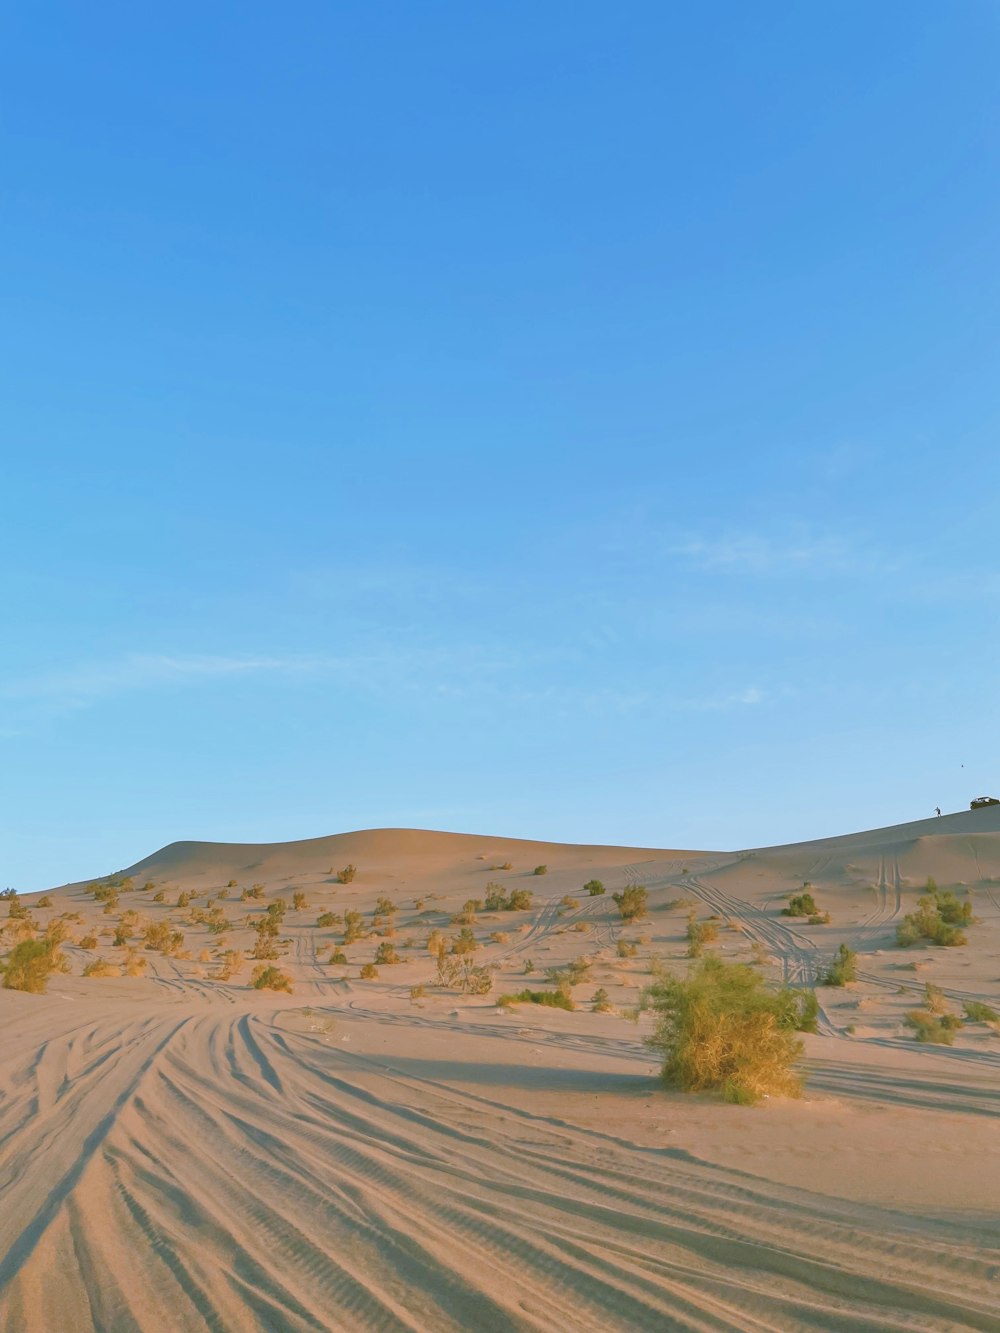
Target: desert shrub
{"points": [[936, 1029], [230, 964], [506, 865], [266, 945], [436, 941], [385, 906], [820, 919], [801, 904], [467, 916], [354, 927], [602, 1001], [326, 919], [231, 884], [183, 899], [100, 967], [937, 919], [299, 901], [338, 958], [159, 896], [16, 910], [568, 901], [807, 1019], [843, 968], [499, 937], [594, 887], [88, 942], [552, 999], [120, 937], [346, 875], [465, 941], [29, 965], [44, 901], [134, 964], [573, 973], [722, 1029], [529, 967], [626, 950], [631, 902], [496, 897], [277, 909], [264, 977], [386, 953], [700, 933], [977, 1012], [417, 992], [520, 900], [162, 938], [934, 999], [369, 971], [540, 870]]}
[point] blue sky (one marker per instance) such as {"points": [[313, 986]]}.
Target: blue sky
{"points": [[568, 421]]}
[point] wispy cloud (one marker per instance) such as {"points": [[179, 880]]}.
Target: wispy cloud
{"points": [[759, 554], [87, 682]]}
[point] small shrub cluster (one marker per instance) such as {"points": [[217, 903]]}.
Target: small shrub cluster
{"points": [[843, 968], [553, 999], [594, 887], [29, 965], [265, 977], [498, 900], [631, 902], [937, 1029], [801, 904], [938, 917], [346, 876], [700, 933], [977, 1012], [540, 870]]}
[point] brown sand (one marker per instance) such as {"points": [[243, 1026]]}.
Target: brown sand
{"points": [[184, 1153]]}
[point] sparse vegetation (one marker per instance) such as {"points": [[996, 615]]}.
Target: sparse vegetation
{"points": [[977, 1012], [631, 902], [162, 938], [327, 919], [801, 904], [266, 977], [602, 1001], [100, 967], [552, 999], [498, 900], [368, 972], [30, 964], [700, 933], [338, 958], [346, 876], [843, 968], [936, 1029], [722, 1029], [417, 992], [354, 927], [386, 953], [594, 887], [299, 902], [88, 942], [540, 870], [937, 919], [625, 949]]}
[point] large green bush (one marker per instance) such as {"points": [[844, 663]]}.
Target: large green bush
{"points": [[722, 1029]]}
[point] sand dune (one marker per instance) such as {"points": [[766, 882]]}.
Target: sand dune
{"points": [[182, 1152]]}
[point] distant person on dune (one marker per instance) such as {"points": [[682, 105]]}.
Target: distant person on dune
{"points": [[937, 810]]}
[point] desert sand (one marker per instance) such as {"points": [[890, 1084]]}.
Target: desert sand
{"points": [[182, 1152]]}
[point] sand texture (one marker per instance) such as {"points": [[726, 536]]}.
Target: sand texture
{"points": [[181, 1152]]}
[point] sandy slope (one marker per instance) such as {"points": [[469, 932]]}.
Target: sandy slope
{"points": [[184, 1153]]}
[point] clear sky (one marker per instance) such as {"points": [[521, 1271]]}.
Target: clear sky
{"points": [[564, 420]]}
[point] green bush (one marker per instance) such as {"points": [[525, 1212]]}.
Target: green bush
{"points": [[594, 887], [700, 933], [326, 919], [977, 1012], [843, 968], [722, 1029], [497, 900], [631, 902], [29, 965], [338, 958], [801, 904], [270, 978], [346, 875], [937, 919], [385, 906], [386, 953], [937, 1029], [540, 870], [354, 927], [368, 972], [602, 1001]]}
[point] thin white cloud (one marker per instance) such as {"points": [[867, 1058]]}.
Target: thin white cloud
{"points": [[757, 554]]}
